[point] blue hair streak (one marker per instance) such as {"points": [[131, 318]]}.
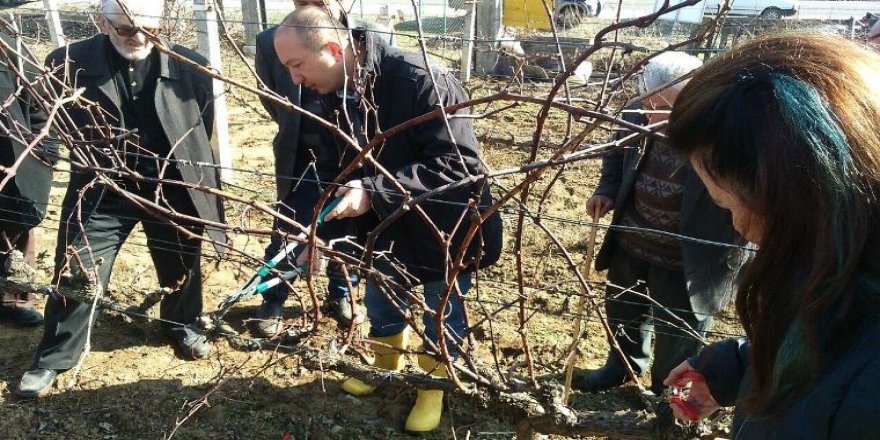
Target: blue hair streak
{"points": [[815, 126]]}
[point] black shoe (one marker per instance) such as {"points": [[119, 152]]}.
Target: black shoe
{"points": [[21, 316], [605, 378], [269, 320], [36, 383], [341, 310], [192, 344]]}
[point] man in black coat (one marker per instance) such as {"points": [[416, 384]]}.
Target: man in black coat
{"points": [[368, 88], [302, 170], [24, 198], [155, 121], [649, 187]]}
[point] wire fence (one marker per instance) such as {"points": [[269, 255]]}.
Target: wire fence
{"points": [[444, 26], [551, 224]]}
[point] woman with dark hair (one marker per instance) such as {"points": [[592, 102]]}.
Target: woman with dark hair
{"points": [[783, 132]]}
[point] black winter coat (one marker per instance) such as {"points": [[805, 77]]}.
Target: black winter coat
{"points": [[184, 104], [844, 404], [422, 158]]}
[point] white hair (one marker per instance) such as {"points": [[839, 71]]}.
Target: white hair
{"points": [[666, 68], [146, 13]]}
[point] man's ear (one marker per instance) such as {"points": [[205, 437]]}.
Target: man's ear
{"points": [[102, 24], [335, 50]]}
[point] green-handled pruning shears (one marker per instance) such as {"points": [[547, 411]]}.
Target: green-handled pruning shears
{"points": [[257, 284]]}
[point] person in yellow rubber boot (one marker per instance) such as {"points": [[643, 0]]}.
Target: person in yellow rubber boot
{"points": [[370, 88], [390, 336]]}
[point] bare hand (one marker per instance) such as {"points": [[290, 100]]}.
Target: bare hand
{"points": [[695, 402], [355, 201], [598, 205]]}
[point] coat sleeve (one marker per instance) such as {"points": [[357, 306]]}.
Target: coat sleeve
{"points": [[447, 150], [612, 164], [264, 60], [29, 105], [612, 174], [49, 148], [858, 415], [724, 364]]}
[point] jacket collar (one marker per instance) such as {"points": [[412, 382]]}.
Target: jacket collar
{"points": [[374, 49], [92, 60]]}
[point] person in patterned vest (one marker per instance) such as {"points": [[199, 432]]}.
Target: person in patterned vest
{"points": [[650, 187]]}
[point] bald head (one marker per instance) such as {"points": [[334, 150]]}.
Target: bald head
{"points": [[313, 26], [331, 6], [315, 49]]}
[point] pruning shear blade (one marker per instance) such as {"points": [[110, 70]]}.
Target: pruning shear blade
{"points": [[257, 285]]}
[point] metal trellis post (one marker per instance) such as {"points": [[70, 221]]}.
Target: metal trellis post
{"points": [[54, 22], [209, 46]]}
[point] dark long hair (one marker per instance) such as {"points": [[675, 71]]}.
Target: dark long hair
{"points": [[791, 124]]}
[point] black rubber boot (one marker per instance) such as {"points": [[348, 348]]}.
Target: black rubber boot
{"points": [[21, 316], [342, 311]]}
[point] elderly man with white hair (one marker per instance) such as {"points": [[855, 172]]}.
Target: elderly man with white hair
{"points": [[156, 119], [649, 187]]}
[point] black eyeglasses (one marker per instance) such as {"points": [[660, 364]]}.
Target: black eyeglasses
{"points": [[128, 31]]}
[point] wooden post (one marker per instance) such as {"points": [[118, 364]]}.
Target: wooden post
{"points": [[581, 310], [467, 47], [209, 46], [253, 24], [56, 33]]}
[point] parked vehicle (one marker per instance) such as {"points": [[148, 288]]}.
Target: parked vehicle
{"points": [[566, 13], [766, 9], [570, 13], [15, 2]]}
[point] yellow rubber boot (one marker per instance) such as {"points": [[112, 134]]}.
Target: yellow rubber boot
{"points": [[389, 358], [425, 414]]}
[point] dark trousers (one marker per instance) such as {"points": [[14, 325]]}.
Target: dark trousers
{"points": [[17, 219], [23, 240], [98, 238], [386, 318], [634, 318], [299, 205]]}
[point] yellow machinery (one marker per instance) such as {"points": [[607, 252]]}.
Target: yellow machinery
{"points": [[530, 14]]}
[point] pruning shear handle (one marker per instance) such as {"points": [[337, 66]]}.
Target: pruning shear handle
{"points": [[257, 285]]}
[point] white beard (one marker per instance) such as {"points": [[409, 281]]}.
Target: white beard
{"points": [[133, 54]]}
